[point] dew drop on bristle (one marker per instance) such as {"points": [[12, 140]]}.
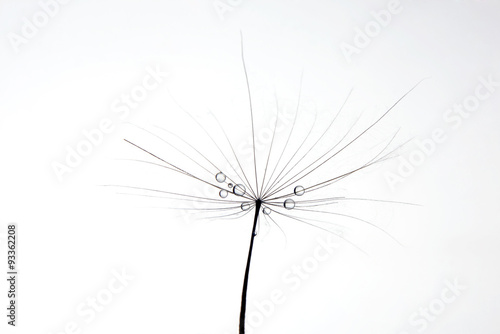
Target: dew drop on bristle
{"points": [[266, 211], [220, 177], [223, 193], [245, 206], [230, 185], [289, 204], [239, 190], [299, 190]]}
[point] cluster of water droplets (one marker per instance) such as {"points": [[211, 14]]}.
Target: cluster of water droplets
{"points": [[238, 190], [289, 203]]}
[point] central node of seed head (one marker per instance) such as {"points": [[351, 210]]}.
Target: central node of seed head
{"points": [[258, 206]]}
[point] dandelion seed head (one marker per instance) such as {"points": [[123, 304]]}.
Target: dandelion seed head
{"points": [[300, 161]]}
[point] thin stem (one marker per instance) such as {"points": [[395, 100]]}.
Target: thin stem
{"points": [[258, 204]]}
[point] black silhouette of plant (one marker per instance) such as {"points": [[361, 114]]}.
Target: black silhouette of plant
{"points": [[286, 189]]}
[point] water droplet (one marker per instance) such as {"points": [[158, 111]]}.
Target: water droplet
{"points": [[299, 190], [239, 190], [245, 206], [230, 185], [220, 177], [223, 193], [289, 204], [266, 211]]}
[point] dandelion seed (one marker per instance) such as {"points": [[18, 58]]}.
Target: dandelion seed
{"points": [[271, 194]]}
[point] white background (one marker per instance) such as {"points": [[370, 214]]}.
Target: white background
{"points": [[73, 233]]}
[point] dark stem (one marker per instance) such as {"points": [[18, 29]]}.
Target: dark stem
{"points": [[258, 204]]}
